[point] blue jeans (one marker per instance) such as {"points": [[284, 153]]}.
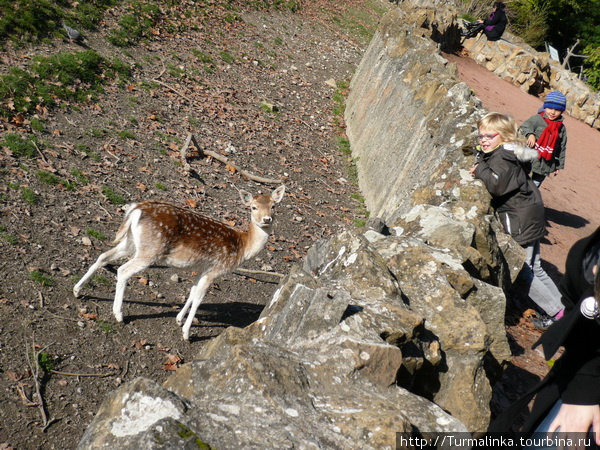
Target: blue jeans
{"points": [[540, 287]]}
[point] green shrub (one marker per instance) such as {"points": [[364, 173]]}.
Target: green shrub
{"points": [[592, 66]]}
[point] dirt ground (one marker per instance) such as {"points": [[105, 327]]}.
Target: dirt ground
{"points": [[216, 79]]}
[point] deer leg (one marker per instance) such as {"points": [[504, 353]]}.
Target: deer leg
{"points": [[198, 294], [187, 305], [125, 272], [115, 253]]}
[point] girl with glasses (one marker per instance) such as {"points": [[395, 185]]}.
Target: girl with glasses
{"points": [[518, 203]]}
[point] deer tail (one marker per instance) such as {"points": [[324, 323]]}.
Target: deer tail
{"points": [[126, 225]]}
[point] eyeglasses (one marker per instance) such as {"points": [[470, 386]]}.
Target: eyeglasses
{"points": [[487, 137]]}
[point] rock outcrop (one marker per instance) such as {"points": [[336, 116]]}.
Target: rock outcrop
{"points": [[375, 333], [534, 72]]}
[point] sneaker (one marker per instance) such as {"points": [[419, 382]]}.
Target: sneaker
{"points": [[542, 322]]}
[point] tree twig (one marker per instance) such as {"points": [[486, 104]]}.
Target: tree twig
{"points": [[40, 152], [174, 90], [223, 159], [70, 374]]}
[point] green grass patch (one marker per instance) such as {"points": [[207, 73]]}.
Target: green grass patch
{"points": [[113, 197], [175, 72], [344, 145], [42, 279], [136, 25], [29, 196], [74, 77], [126, 134], [95, 234], [37, 125], [227, 57], [100, 280], [283, 5], [7, 237], [45, 362], [89, 152], [21, 146], [161, 186], [203, 57], [105, 326], [80, 177], [37, 20], [54, 180]]}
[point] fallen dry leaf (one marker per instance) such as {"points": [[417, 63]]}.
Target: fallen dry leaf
{"points": [[191, 202], [140, 344], [172, 362], [89, 316]]}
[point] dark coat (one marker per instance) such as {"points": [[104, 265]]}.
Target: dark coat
{"points": [[515, 198], [535, 125], [575, 377], [498, 21]]}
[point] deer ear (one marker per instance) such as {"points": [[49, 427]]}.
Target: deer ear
{"points": [[246, 197], [277, 194]]}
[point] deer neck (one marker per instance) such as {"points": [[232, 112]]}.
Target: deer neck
{"points": [[255, 239]]}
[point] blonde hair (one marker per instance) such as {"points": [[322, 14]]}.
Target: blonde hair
{"points": [[501, 123]]}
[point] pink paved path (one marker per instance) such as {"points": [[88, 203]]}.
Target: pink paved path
{"points": [[572, 197]]}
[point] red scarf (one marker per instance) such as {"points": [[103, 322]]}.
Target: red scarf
{"points": [[545, 144]]}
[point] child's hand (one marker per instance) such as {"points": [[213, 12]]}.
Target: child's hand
{"points": [[531, 140], [473, 170]]}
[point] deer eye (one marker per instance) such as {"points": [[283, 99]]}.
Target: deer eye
{"points": [[253, 208]]}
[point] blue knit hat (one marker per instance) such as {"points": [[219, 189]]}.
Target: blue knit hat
{"points": [[556, 100]]}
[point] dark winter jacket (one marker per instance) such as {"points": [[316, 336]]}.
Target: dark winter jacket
{"points": [[515, 198], [575, 377], [495, 25], [535, 125]]}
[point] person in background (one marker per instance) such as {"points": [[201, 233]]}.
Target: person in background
{"points": [[568, 398], [547, 133], [518, 204], [493, 26]]}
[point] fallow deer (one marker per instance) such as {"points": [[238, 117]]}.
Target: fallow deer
{"points": [[158, 232]]}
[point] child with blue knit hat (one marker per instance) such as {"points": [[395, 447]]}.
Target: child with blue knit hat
{"points": [[546, 133]]}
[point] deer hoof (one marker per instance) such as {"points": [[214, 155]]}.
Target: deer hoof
{"points": [[119, 317], [76, 291]]}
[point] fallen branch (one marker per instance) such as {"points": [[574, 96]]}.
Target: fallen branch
{"points": [[70, 374], [174, 90], [221, 158], [34, 366], [259, 272]]}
